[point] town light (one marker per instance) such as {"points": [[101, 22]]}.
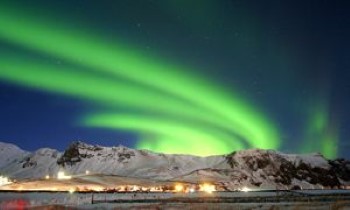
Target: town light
{"points": [[245, 189], [4, 180], [209, 188], [179, 188], [61, 175]]}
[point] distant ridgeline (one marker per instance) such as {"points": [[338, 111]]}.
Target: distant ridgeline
{"points": [[253, 169]]}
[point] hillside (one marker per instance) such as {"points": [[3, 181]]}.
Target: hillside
{"points": [[253, 168]]}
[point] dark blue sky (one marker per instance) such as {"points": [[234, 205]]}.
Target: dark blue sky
{"points": [[289, 58]]}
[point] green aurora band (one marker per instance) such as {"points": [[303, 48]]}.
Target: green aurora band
{"points": [[85, 85], [38, 75], [162, 145], [321, 129], [170, 131], [135, 80]]}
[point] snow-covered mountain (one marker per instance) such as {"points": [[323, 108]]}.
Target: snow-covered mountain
{"points": [[254, 168], [9, 152]]}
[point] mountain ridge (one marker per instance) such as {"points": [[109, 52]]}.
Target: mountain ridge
{"points": [[254, 168]]}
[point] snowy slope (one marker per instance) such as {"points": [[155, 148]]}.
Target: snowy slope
{"points": [[254, 168], [124, 161], [9, 153], [269, 169], [80, 157], [33, 165]]}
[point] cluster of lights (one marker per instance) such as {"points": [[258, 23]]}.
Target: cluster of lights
{"points": [[208, 188], [184, 188], [134, 188], [178, 188], [61, 175]]}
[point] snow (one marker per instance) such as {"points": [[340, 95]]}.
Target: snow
{"points": [[9, 152], [112, 160], [33, 165], [253, 168], [314, 159]]}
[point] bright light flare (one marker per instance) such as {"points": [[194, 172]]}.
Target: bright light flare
{"points": [[62, 176], [245, 189], [179, 188], [209, 188]]}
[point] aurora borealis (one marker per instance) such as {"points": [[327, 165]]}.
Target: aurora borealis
{"points": [[127, 74]]}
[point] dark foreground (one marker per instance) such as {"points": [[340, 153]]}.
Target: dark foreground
{"points": [[320, 199]]}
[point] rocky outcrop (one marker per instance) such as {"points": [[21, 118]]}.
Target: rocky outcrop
{"points": [[289, 170]]}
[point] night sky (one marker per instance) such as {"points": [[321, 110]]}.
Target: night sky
{"points": [[177, 76]]}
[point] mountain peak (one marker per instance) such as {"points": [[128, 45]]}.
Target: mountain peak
{"points": [[254, 168]]}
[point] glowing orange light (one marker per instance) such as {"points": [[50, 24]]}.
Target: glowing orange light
{"points": [[209, 188], [179, 188]]}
